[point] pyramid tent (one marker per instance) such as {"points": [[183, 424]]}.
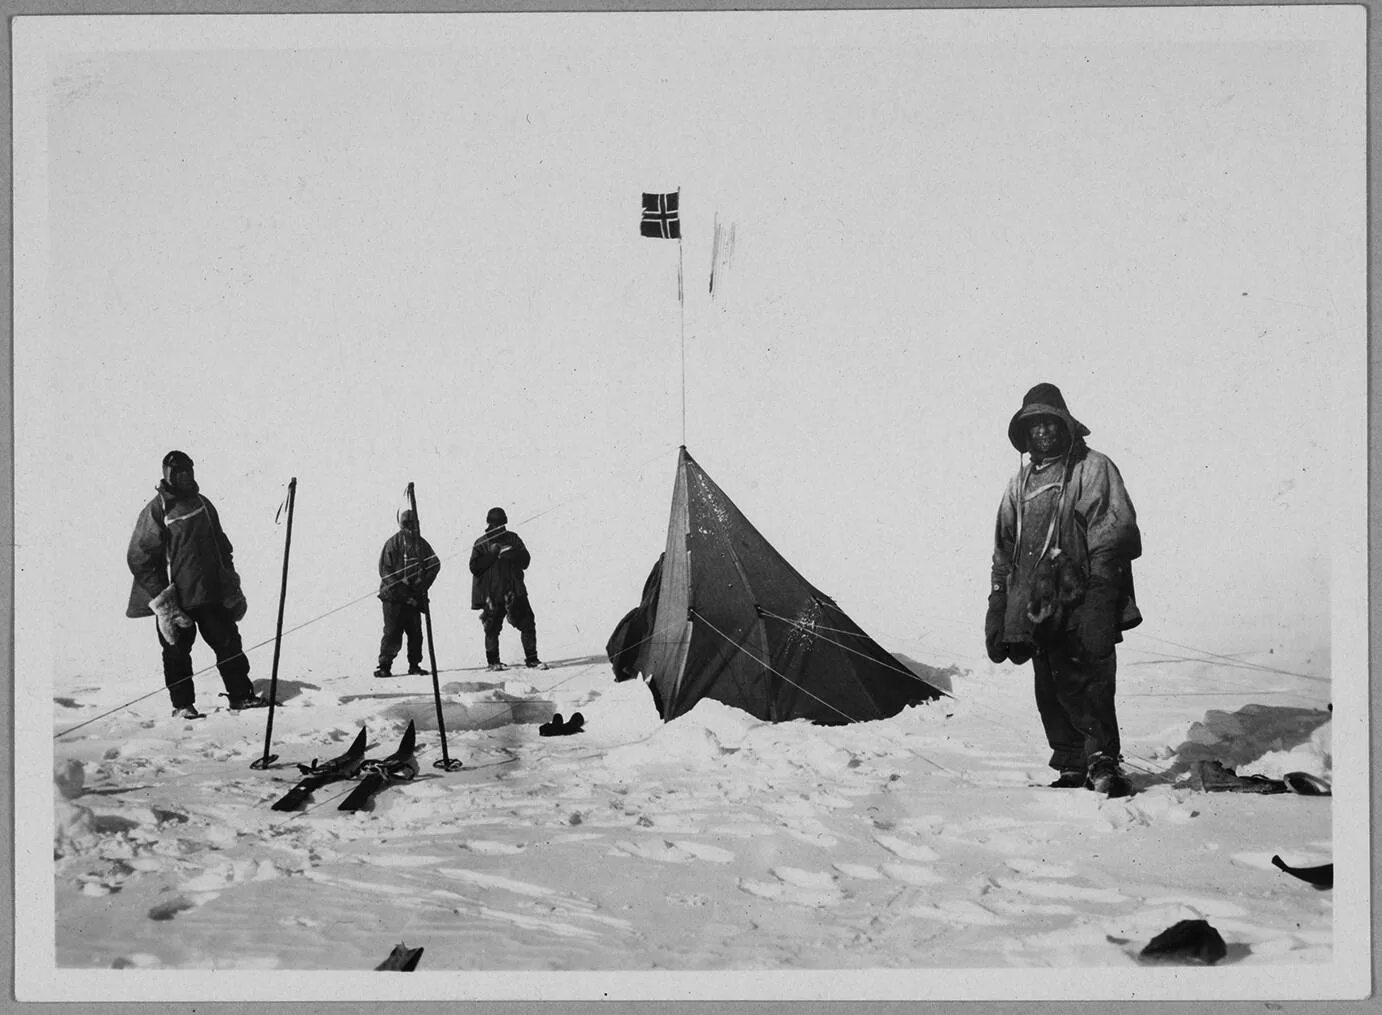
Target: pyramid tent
{"points": [[724, 616]]}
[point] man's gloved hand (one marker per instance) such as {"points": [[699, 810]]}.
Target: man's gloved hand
{"points": [[1096, 620], [993, 626], [234, 600], [169, 614]]}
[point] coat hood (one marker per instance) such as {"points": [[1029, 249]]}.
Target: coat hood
{"points": [[1044, 400]]}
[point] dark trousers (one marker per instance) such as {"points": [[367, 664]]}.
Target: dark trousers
{"points": [[519, 613], [1075, 699], [400, 619], [223, 638]]}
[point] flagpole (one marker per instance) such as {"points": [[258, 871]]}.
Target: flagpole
{"points": [[681, 301]]}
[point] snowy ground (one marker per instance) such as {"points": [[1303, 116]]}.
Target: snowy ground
{"points": [[924, 842]]}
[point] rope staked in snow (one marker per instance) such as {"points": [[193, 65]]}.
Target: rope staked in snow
{"points": [[1133, 761], [1206, 656], [813, 629], [760, 662], [854, 634]]}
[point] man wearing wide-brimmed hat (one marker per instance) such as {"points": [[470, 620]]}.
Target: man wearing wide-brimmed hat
{"points": [[1061, 590]]}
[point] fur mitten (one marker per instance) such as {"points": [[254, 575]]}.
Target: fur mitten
{"points": [[169, 614]]}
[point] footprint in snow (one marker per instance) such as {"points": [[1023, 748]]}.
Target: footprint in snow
{"points": [[812, 889], [663, 851], [492, 881], [1053, 890], [858, 870], [958, 911], [912, 874], [1039, 868], [907, 850], [1020, 907], [803, 878], [1194, 907], [832, 801], [688, 900], [668, 851], [807, 829], [488, 847], [403, 860], [703, 851], [211, 882]]}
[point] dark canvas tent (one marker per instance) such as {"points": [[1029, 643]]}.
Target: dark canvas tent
{"points": [[724, 616]]}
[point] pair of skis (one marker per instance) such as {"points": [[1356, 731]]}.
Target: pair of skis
{"points": [[375, 774]]}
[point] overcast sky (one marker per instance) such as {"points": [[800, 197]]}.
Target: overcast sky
{"points": [[364, 251]]}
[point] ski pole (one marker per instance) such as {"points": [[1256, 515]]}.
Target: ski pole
{"points": [[268, 758], [445, 762]]}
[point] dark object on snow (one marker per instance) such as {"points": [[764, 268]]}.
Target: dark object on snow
{"points": [[1306, 784], [558, 728], [401, 960], [168, 910], [379, 774], [341, 767], [734, 621], [1321, 876], [1189, 942], [1216, 778], [1106, 778]]}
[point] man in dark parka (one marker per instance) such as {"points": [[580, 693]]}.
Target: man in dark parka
{"points": [[407, 569], [1061, 589], [184, 576], [497, 562]]}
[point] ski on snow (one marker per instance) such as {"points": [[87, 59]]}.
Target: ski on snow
{"points": [[316, 775], [380, 773]]}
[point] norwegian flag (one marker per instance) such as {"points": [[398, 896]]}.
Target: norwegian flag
{"points": [[660, 219]]}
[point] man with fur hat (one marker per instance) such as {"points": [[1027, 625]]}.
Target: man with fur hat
{"points": [[184, 576], [497, 562], [407, 569], [1061, 591]]}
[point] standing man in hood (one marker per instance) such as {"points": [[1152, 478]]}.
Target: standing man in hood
{"points": [[497, 562], [1061, 591], [407, 569], [184, 575]]}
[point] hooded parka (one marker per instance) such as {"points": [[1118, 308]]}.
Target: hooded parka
{"points": [[178, 537], [1095, 522]]}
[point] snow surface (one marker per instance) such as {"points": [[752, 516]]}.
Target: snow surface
{"points": [[716, 842]]}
